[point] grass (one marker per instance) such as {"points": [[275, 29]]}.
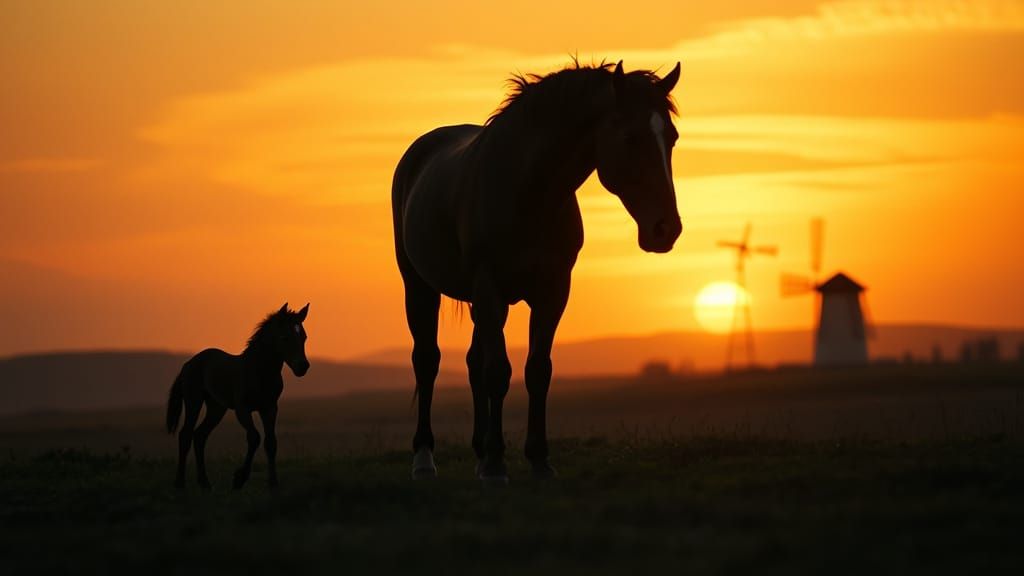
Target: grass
{"points": [[894, 469], [694, 505]]}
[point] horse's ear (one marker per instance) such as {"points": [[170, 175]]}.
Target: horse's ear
{"points": [[283, 309], [618, 76], [618, 79], [303, 312], [669, 82]]}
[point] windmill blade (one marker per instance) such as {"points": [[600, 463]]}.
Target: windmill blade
{"points": [[767, 250], [727, 244], [817, 237], [795, 285], [746, 234]]}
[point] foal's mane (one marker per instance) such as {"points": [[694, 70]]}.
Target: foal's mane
{"points": [[546, 96], [263, 327]]}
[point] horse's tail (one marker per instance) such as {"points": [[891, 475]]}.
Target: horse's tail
{"points": [[176, 401]]}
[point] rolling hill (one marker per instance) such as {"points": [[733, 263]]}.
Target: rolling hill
{"points": [[75, 381]]}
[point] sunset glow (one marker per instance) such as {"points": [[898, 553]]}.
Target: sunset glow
{"points": [[716, 304], [169, 173]]}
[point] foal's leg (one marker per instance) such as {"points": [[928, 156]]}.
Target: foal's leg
{"points": [[269, 418], [192, 408], [489, 315], [214, 413], [253, 438], [545, 313], [421, 307]]}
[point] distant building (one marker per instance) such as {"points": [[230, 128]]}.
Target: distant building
{"points": [[985, 350], [841, 339], [988, 350], [656, 370]]}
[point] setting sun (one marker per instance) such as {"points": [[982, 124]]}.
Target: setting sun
{"points": [[716, 303], [157, 193]]}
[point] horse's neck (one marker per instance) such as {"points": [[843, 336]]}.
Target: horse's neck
{"points": [[555, 158], [261, 357]]}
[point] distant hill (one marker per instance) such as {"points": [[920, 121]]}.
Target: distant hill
{"points": [[73, 381], [115, 379], [703, 352]]}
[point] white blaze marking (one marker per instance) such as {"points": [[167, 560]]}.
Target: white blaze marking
{"points": [[658, 127]]}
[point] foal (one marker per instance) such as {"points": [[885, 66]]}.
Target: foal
{"points": [[245, 383]]}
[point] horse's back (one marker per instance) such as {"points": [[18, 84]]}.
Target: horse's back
{"points": [[217, 374], [426, 205]]}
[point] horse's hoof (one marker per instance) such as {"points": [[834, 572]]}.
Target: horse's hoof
{"points": [[239, 480], [495, 480], [543, 471], [492, 473], [423, 466]]}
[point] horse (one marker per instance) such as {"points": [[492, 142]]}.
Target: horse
{"points": [[248, 382], [487, 215]]}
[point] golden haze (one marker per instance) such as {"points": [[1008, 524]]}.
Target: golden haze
{"points": [[170, 173]]}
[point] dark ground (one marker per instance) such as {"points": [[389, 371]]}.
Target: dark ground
{"points": [[893, 470]]}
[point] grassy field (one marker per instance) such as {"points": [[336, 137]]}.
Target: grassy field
{"points": [[882, 472]]}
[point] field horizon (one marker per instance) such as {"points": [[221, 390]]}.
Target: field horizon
{"points": [[100, 379]]}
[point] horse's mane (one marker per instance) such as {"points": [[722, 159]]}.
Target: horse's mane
{"points": [[261, 329], [546, 96]]}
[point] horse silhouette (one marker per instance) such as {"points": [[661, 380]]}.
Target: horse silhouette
{"points": [[244, 383], [488, 215]]}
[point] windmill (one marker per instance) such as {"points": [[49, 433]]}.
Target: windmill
{"points": [[840, 335], [743, 252]]}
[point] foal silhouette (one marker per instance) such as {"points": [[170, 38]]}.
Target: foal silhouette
{"points": [[245, 383], [488, 215]]}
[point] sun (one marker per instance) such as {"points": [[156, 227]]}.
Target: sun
{"points": [[715, 304]]}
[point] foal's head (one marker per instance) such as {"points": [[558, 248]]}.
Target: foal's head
{"points": [[283, 332], [634, 154]]}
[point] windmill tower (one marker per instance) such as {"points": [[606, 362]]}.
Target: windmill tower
{"points": [[741, 306], [840, 336]]}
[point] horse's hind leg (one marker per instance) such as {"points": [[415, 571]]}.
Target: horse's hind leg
{"points": [[422, 304], [269, 417], [214, 413], [192, 408], [252, 436]]}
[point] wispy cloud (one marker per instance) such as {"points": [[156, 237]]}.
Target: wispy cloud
{"points": [[42, 165], [859, 18]]}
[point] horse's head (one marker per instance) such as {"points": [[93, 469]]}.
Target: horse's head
{"points": [[634, 155], [291, 338]]}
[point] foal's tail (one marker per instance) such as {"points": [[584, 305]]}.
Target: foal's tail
{"points": [[176, 401]]}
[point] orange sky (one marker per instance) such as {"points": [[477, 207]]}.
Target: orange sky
{"points": [[171, 172]]}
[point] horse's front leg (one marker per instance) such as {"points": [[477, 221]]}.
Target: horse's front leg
{"points": [[489, 315], [474, 366], [252, 436], [545, 313], [269, 417]]}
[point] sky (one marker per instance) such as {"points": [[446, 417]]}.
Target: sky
{"points": [[171, 172]]}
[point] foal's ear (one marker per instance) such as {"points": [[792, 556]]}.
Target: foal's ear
{"points": [[283, 309], [618, 78], [303, 312], [669, 81]]}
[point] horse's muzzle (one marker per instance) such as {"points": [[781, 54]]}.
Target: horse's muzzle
{"points": [[300, 369], [661, 237]]}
